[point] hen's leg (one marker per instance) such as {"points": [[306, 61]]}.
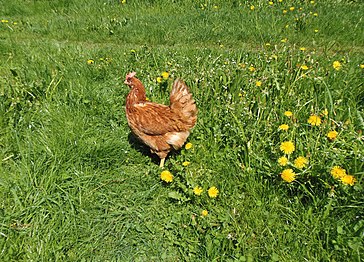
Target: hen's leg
{"points": [[162, 162]]}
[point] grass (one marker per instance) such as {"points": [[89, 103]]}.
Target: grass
{"points": [[75, 186]]}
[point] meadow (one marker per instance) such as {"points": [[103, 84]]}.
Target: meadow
{"points": [[273, 170]]}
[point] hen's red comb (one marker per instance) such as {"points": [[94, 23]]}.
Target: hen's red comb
{"points": [[130, 75]]}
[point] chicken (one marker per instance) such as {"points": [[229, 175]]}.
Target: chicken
{"points": [[162, 128]]}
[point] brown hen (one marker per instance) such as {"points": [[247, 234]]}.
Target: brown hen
{"points": [[160, 127]]}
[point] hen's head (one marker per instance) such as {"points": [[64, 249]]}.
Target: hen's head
{"points": [[130, 79]]}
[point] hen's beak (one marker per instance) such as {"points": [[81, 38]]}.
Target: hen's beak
{"points": [[127, 81]]}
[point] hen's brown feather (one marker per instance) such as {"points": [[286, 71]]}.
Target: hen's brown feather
{"points": [[154, 119], [160, 127]]}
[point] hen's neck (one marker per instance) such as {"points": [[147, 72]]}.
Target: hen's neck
{"points": [[136, 95]]}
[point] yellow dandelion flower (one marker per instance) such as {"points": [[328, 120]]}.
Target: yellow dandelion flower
{"points": [[283, 161], [315, 14], [288, 175], [300, 162], [362, 66], [252, 7], [303, 49], [90, 62], [213, 192], [258, 83], [291, 8], [338, 172], [284, 40], [251, 68], [316, 30], [314, 120], [288, 113], [332, 135], [123, 1], [267, 44], [159, 79], [283, 127], [270, 3], [197, 190], [166, 176], [188, 146], [312, 2], [284, 12], [348, 180], [186, 163], [204, 213], [165, 75], [336, 65], [287, 147], [304, 67]]}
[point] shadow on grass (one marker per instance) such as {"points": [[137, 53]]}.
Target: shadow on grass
{"points": [[142, 148], [145, 150]]}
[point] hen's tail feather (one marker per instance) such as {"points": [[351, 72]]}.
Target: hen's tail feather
{"points": [[182, 102]]}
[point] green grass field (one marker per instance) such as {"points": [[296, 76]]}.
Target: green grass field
{"points": [[75, 186]]}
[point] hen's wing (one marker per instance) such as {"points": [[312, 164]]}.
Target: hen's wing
{"points": [[154, 119]]}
